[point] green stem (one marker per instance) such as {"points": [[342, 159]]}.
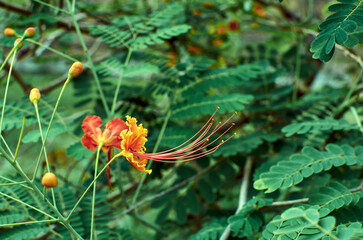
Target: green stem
{"points": [[119, 84], [154, 151], [48, 129], [356, 117], [354, 85], [51, 6], [45, 150], [6, 90], [6, 145], [297, 68], [24, 203], [62, 220], [19, 140], [12, 181], [91, 184], [94, 194], [52, 50], [15, 48], [89, 59], [30, 222]]}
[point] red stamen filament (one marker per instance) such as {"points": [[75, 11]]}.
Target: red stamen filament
{"points": [[194, 149]]}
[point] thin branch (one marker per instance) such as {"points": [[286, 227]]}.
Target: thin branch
{"points": [[26, 87], [243, 194], [175, 187]]}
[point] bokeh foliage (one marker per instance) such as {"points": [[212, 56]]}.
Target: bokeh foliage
{"points": [[291, 70]]}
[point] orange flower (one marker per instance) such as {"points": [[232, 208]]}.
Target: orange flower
{"points": [[110, 137], [222, 30], [196, 12], [194, 50], [207, 4], [217, 42], [94, 137], [233, 25], [259, 11], [134, 139]]}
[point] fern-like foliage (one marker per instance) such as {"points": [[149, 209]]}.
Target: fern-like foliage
{"points": [[291, 172], [299, 223], [111, 35], [316, 126], [353, 231], [248, 220], [145, 30], [159, 36], [205, 105], [212, 231], [334, 196], [65, 199], [24, 232], [217, 78], [113, 67], [344, 27]]}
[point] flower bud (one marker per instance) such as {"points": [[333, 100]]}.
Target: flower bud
{"points": [[29, 32], [20, 45], [49, 180], [34, 95], [9, 32], [76, 69]]}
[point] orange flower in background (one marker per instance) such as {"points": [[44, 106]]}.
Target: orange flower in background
{"points": [[217, 42], [196, 12], [233, 26], [94, 136], [134, 139], [207, 4], [221, 30], [194, 50], [259, 11]]}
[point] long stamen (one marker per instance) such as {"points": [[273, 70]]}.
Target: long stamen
{"points": [[197, 145], [210, 119]]}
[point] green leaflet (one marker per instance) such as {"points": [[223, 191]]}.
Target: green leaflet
{"points": [[207, 105], [213, 231], [115, 68], [291, 172], [316, 126], [248, 220], [297, 222], [334, 196], [340, 27]]}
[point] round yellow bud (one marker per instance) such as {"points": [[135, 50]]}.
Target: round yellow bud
{"points": [[76, 69], [29, 32], [9, 32], [20, 45], [49, 180], [34, 95]]}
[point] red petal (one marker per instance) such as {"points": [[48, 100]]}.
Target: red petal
{"points": [[90, 124], [116, 126], [89, 143]]}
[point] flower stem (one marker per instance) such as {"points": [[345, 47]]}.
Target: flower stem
{"points": [[89, 59], [45, 150], [52, 50], [7, 88], [94, 195], [62, 220], [119, 83], [19, 140], [134, 199], [48, 129]]}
